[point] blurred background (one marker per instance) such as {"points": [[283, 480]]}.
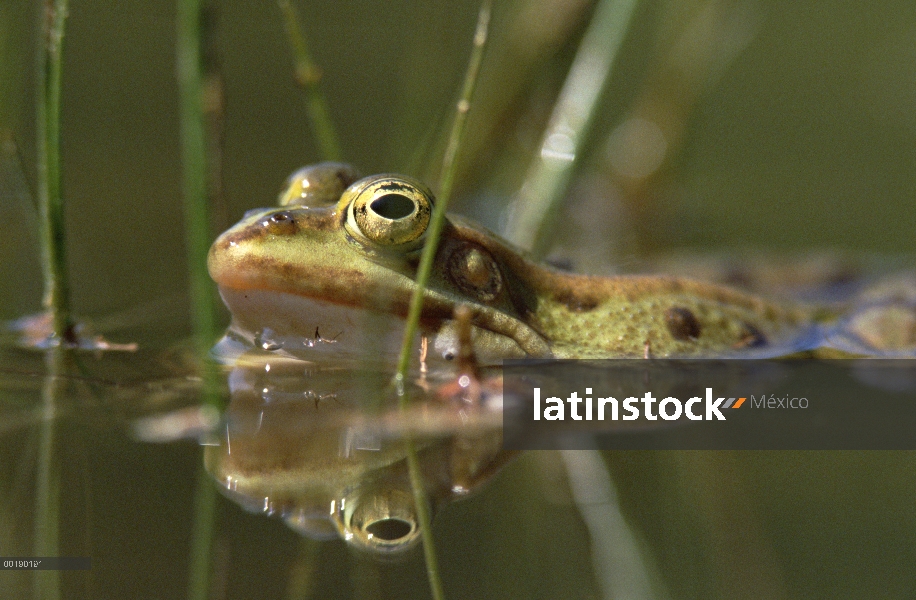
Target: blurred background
{"points": [[792, 123], [781, 126]]}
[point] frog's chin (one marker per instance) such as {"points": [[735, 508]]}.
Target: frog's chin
{"points": [[314, 329], [309, 328]]}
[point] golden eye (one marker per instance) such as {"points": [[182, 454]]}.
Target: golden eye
{"points": [[318, 185], [389, 210]]}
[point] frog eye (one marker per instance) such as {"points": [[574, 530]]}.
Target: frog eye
{"points": [[318, 185], [387, 210]]}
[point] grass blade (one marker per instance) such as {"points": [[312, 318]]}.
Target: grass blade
{"points": [[550, 174], [423, 271], [308, 76], [197, 233], [50, 198]]}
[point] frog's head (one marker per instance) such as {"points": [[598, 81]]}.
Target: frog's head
{"points": [[334, 268]]}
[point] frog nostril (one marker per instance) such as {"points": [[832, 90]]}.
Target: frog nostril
{"points": [[280, 223], [393, 206]]}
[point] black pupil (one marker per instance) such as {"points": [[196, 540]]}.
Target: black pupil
{"points": [[392, 206], [389, 529]]}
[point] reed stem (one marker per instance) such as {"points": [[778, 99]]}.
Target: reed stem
{"points": [[547, 180], [308, 76], [449, 165], [197, 234], [437, 221], [50, 198]]}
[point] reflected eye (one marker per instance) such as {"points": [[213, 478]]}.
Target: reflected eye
{"points": [[380, 519], [390, 529], [387, 210], [318, 185]]}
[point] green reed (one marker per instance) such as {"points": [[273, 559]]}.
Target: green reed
{"points": [[49, 71], [193, 133], [437, 220], [50, 198], [548, 177], [449, 166], [308, 76], [194, 170]]}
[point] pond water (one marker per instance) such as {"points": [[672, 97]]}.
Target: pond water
{"points": [[549, 524]]}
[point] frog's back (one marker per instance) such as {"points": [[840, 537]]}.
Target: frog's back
{"points": [[588, 317]]}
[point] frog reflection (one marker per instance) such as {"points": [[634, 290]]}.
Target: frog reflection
{"points": [[324, 449]]}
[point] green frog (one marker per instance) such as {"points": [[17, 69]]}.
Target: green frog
{"points": [[333, 269]]}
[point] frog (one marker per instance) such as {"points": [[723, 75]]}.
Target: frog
{"points": [[333, 268]]}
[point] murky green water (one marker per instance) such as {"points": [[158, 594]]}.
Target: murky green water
{"points": [[804, 140]]}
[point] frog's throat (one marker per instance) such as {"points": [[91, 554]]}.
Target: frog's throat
{"points": [[302, 325]]}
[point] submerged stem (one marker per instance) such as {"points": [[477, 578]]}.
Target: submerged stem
{"points": [[424, 519], [46, 540]]}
